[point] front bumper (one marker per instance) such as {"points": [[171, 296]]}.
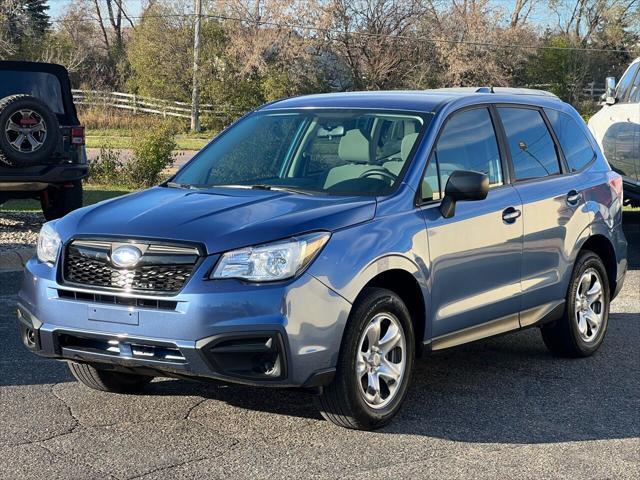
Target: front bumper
{"points": [[285, 334]]}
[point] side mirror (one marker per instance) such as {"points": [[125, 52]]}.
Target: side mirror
{"points": [[610, 91], [463, 185]]}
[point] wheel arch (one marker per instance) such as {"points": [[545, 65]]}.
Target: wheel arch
{"points": [[404, 284], [602, 246]]}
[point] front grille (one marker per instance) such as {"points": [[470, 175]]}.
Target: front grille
{"points": [[114, 300], [161, 268]]}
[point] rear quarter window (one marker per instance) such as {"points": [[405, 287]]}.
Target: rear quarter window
{"points": [[573, 139], [41, 85]]}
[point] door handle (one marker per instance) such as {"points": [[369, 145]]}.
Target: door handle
{"points": [[510, 215], [573, 197]]}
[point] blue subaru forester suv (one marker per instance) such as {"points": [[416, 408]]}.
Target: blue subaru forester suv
{"points": [[324, 242]]}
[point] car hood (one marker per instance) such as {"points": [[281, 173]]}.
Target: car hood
{"points": [[219, 218]]}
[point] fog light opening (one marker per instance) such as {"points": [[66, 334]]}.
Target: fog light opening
{"points": [[29, 337], [267, 364]]}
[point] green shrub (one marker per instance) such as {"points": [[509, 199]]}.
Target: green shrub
{"points": [[152, 154], [107, 168]]}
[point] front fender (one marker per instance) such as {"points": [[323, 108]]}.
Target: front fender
{"points": [[356, 255]]}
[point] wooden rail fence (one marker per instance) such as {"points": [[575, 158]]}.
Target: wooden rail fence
{"points": [[139, 104]]}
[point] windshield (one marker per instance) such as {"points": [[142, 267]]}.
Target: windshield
{"points": [[356, 152], [41, 85]]}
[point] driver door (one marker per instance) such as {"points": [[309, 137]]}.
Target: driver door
{"points": [[476, 255]]}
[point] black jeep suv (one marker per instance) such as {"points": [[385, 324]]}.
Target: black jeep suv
{"points": [[42, 152]]}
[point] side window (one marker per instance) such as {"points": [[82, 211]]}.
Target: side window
{"points": [[573, 140], [533, 152], [626, 82], [634, 94], [467, 142]]}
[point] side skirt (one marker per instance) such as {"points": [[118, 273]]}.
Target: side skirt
{"points": [[532, 317]]}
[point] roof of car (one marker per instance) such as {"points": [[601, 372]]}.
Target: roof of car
{"points": [[52, 68], [414, 100]]}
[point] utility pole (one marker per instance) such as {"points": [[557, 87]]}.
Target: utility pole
{"points": [[195, 95]]}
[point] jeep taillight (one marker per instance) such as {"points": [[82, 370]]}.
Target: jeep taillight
{"points": [[77, 135], [615, 182]]}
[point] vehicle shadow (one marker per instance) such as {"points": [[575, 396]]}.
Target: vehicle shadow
{"points": [[503, 390]]}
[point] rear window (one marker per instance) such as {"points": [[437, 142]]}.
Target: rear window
{"points": [[573, 141], [42, 85]]}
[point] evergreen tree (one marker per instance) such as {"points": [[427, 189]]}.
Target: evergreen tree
{"points": [[36, 12]]}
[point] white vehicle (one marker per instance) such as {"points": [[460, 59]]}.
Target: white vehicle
{"points": [[617, 129]]}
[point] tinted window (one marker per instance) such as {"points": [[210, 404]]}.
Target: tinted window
{"points": [[574, 142], [41, 85], [467, 142], [533, 152], [624, 87]]}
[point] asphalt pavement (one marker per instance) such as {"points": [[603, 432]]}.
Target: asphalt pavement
{"points": [[500, 408]]}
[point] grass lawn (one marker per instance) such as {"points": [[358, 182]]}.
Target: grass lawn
{"points": [[92, 194], [123, 138]]}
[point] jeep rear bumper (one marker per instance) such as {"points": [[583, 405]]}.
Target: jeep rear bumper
{"points": [[23, 181]]}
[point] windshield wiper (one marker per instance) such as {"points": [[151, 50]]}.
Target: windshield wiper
{"points": [[279, 188], [186, 186], [266, 186]]}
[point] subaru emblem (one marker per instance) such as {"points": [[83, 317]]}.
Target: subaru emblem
{"points": [[126, 256]]}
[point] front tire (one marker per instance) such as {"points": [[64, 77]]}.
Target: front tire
{"points": [[375, 363], [108, 380], [581, 330]]}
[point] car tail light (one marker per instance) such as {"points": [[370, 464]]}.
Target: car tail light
{"points": [[77, 135], [615, 182]]}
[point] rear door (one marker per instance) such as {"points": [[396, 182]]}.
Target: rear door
{"points": [[476, 255], [549, 201]]}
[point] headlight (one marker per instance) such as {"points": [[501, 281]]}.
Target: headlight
{"points": [[48, 244], [274, 261]]}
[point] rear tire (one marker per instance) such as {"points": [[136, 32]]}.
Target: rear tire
{"points": [[107, 380], [581, 330], [57, 201], [350, 401]]}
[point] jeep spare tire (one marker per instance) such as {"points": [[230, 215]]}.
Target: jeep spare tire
{"points": [[28, 131]]}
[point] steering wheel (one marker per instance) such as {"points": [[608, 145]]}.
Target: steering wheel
{"points": [[379, 171]]}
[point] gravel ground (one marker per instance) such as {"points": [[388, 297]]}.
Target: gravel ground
{"points": [[19, 230]]}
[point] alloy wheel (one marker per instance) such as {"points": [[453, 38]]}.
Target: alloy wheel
{"points": [[381, 360], [589, 305], [25, 131]]}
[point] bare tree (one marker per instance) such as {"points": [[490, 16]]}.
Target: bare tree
{"points": [[375, 39], [587, 18], [521, 11], [261, 31], [474, 47], [109, 14]]}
